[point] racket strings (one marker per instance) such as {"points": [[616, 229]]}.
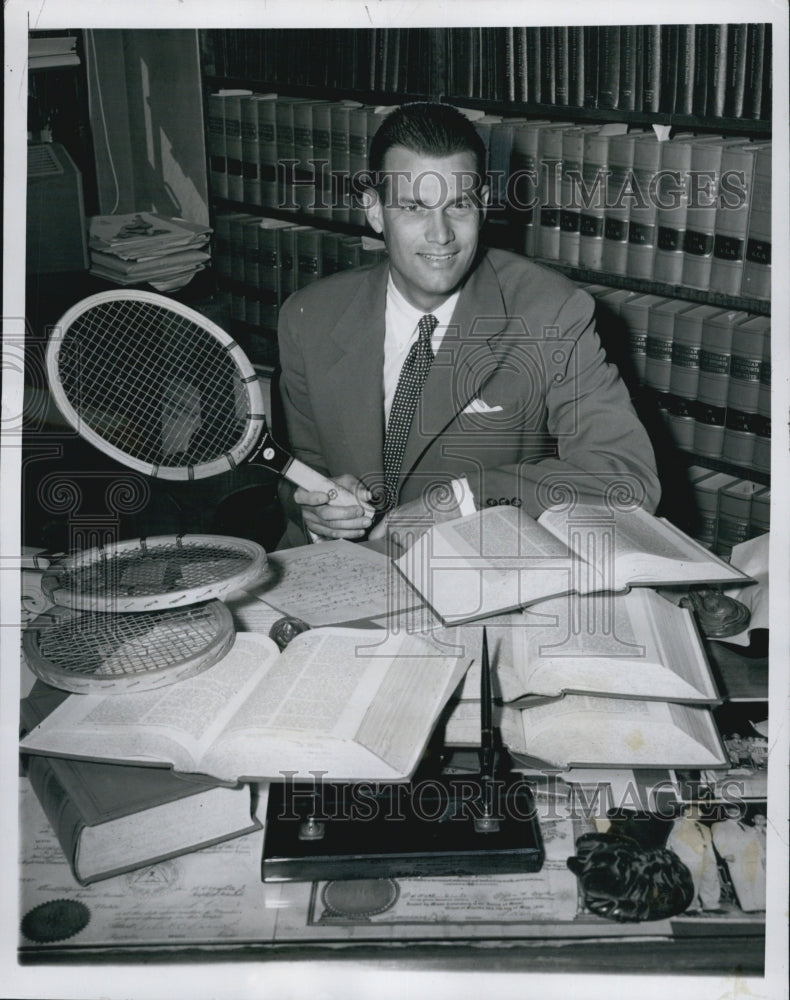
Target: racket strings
{"points": [[153, 383], [155, 571], [92, 644]]}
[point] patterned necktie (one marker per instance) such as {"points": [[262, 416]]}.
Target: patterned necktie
{"points": [[410, 382]]}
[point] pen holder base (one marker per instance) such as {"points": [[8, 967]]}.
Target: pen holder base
{"points": [[427, 828]]}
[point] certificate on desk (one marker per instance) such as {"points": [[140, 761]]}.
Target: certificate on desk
{"points": [[212, 896]]}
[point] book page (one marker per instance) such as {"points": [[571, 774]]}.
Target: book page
{"points": [[335, 698], [489, 562], [636, 644], [332, 582], [646, 549], [587, 730], [174, 724]]}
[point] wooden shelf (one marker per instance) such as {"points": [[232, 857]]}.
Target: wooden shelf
{"points": [[313, 90], [720, 465]]}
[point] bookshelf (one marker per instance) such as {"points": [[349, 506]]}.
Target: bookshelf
{"points": [[712, 82]]}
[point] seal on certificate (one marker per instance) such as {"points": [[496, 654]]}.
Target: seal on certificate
{"points": [[285, 629], [363, 897], [55, 921]]}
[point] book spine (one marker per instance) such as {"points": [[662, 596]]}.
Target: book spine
{"points": [[712, 387], [701, 63], [576, 66], [63, 815], [268, 264], [684, 377], [534, 65], [755, 65], [608, 66], [686, 62], [548, 54], [357, 160], [267, 152], [561, 66], [660, 339], [651, 68], [250, 168], [619, 198], [760, 520], [701, 216], [743, 392], [216, 145], [521, 57], [629, 39], [570, 205], [232, 108], [717, 71], [288, 261], [732, 218], [340, 188], [669, 67], [321, 160], [635, 314], [757, 263], [734, 515], [593, 196], [349, 253], [737, 37], [762, 431], [510, 92], [590, 37], [304, 177], [222, 245], [285, 154], [642, 227], [526, 187], [250, 264], [550, 164], [500, 154], [237, 286], [308, 256], [672, 200]]}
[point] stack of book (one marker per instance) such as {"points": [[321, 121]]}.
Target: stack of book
{"points": [[143, 247], [707, 369], [711, 70], [598, 668]]}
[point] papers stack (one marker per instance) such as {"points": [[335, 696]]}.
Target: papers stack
{"points": [[146, 247]]}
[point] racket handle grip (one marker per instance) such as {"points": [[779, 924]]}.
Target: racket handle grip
{"points": [[302, 475]]}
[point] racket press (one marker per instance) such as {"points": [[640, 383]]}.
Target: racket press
{"points": [[436, 824]]}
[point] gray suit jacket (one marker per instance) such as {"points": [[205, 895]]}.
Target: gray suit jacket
{"points": [[520, 398]]}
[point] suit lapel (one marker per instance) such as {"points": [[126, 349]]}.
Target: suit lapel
{"points": [[355, 359], [464, 362]]}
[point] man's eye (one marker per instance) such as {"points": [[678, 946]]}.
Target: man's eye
{"points": [[411, 206]]}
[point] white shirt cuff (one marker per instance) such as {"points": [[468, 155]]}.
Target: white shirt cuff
{"points": [[463, 496]]}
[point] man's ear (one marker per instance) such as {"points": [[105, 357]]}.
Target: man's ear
{"points": [[371, 203]]}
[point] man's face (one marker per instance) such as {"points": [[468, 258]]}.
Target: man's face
{"points": [[430, 218]]}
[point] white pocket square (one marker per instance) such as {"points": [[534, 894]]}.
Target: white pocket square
{"points": [[480, 406]]}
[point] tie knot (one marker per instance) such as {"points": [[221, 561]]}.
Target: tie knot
{"points": [[426, 327]]}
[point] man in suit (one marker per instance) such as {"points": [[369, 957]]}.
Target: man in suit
{"points": [[519, 405]]}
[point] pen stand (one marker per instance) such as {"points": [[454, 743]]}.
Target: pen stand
{"points": [[433, 825]]}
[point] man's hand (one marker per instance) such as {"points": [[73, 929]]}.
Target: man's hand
{"points": [[337, 519]]}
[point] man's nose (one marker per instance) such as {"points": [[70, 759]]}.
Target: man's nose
{"points": [[439, 228]]}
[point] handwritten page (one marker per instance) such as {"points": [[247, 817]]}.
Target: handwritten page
{"points": [[333, 582]]}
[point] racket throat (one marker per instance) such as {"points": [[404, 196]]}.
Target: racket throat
{"points": [[270, 455]]}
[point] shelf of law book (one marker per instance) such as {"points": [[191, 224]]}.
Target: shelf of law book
{"points": [[699, 72], [688, 215]]}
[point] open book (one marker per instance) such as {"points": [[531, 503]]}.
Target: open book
{"points": [[636, 644], [500, 558], [587, 731], [352, 704]]}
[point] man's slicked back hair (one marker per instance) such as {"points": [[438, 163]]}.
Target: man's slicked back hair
{"points": [[428, 128]]}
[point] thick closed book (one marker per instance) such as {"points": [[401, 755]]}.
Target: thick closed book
{"points": [[112, 818], [732, 218], [757, 263], [500, 559], [355, 704], [633, 645], [578, 730]]}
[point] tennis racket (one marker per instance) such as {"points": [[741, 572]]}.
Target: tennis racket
{"points": [[146, 574], [165, 391], [87, 652]]}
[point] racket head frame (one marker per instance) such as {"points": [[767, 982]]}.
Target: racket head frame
{"points": [[66, 670], [255, 421], [55, 581]]}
